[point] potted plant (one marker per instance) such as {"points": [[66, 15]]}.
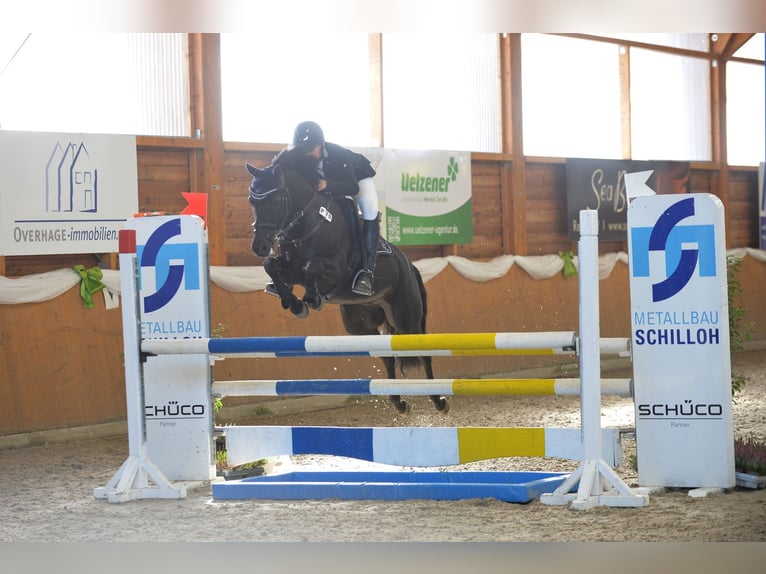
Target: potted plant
{"points": [[222, 467], [750, 461]]}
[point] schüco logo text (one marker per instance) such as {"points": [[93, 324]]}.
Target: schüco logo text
{"points": [[686, 409], [173, 409]]}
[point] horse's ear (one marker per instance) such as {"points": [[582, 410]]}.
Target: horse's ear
{"points": [[254, 171]]}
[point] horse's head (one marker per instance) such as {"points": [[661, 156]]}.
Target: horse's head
{"points": [[270, 205], [278, 193]]}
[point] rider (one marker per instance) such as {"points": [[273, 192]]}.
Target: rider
{"points": [[342, 172]]}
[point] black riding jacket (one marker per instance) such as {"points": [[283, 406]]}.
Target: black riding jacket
{"points": [[343, 169]]}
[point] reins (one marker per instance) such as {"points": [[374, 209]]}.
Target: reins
{"points": [[282, 234], [283, 227]]}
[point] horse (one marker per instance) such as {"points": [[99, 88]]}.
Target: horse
{"points": [[316, 236]]}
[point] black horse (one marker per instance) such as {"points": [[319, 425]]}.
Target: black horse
{"points": [[317, 247]]}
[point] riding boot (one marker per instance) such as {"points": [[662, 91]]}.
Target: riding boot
{"points": [[363, 282]]}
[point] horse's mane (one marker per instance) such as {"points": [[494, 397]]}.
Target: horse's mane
{"points": [[291, 166], [293, 159]]}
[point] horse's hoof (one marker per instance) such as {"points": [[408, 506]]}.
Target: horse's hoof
{"points": [[301, 311], [402, 407], [315, 303], [442, 405]]}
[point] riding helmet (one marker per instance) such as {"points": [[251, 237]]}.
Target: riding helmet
{"points": [[308, 135]]}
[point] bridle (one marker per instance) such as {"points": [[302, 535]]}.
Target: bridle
{"points": [[285, 207], [287, 219]]}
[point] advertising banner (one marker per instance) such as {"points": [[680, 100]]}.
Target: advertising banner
{"points": [[65, 193], [171, 254], [600, 184], [680, 341], [427, 196]]}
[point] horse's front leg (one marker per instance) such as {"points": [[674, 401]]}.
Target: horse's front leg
{"points": [[275, 267], [311, 297], [311, 271]]}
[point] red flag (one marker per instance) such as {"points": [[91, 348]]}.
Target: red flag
{"points": [[197, 205]]}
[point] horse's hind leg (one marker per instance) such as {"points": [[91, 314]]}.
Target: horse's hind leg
{"points": [[440, 402], [402, 407], [312, 298], [409, 316], [364, 320]]}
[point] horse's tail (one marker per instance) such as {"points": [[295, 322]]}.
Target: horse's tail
{"points": [[423, 297]]}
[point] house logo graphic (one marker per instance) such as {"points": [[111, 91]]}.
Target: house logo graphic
{"points": [[686, 247], [71, 180], [173, 263]]}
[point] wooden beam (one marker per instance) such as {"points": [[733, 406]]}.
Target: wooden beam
{"points": [[518, 174], [716, 47], [506, 172], [167, 142], [732, 43], [375, 43], [506, 143], [715, 111], [197, 111], [196, 84], [626, 134], [643, 45], [212, 136], [720, 187]]}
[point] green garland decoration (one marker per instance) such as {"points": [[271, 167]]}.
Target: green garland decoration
{"points": [[90, 283], [569, 269]]}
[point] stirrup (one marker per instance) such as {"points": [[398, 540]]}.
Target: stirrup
{"points": [[271, 289], [363, 283]]}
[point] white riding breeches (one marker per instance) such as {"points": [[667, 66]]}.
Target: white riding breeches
{"points": [[367, 198]]}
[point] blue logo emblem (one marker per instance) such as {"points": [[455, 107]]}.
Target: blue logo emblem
{"points": [[164, 257], [684, 246]]}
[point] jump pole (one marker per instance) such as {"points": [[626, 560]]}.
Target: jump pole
{"points": [[415, 387], [434, 344], [599, 484]]}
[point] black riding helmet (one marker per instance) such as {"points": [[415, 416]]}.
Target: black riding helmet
{"points": [[308, 135]]}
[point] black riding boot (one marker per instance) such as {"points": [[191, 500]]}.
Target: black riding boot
{"points": [[363, 282]]}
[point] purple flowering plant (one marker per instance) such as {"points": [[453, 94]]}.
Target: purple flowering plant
{"points": [[750, 455]]}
